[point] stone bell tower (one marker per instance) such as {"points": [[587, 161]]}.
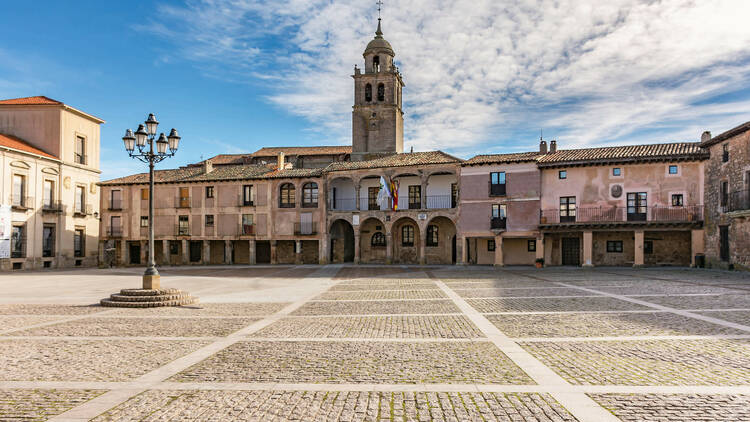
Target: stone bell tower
{"points": [[377, 117]]}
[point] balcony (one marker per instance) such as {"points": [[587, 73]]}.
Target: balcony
{"points": [[246, 229], [498, 223], [21, 203], [497, 189], [304, 229], [115, 205], [182, 201], [182, 230], [18, 247], [114, 232], [440, 202], [245, 202], [52, 207], [342, 204], [737, 201], [83, 210], [80, 158], [624, 215]]}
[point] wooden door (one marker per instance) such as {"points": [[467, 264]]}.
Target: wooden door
{"points": [[571, 251]]}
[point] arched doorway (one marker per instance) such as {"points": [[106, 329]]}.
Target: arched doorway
{"points": [[440, 238], [406, 241], [342, 242], [372, 242]]}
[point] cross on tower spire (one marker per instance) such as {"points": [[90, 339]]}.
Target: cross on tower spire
{"points": [[380, 4]]}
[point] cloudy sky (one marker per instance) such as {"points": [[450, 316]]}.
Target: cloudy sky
{"points": [[481, 76]]}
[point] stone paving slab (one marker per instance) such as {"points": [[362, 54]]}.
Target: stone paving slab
{"points": [[13, 322], [208, 309], [86, 360], [442, 326], [439, 306], [337, 406], [520, 292], [651, 362], [383, 294], [31, 309], [500, 284], [667, 289], [700, 302], [357, 362], [142, 327], [553, 304], [605, 325], [381, 285], [676, 407], [39, 405], [738, 317]]}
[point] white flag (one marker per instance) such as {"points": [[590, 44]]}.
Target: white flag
{"points": [[383, 194]]}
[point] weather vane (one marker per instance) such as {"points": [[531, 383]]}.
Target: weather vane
{"points": [[380, 4]]}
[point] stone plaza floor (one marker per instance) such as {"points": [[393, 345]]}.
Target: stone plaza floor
{"points": [[379, 343]]}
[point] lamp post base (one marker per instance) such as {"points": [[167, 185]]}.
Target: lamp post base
{"points": [[151, 282], [149, 298]]}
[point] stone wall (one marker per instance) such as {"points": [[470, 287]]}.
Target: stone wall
{"points": [[285, 252], [310, 252], [599, 253], [670, 248]]}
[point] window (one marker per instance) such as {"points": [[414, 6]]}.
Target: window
{"points": [[672, 169], [648, 247], [378, 239], [115, 200], [183, 227], [80, 152], [567, 209], [432, 235], [497, 183], [616, 171], [49, 194], [677, 200], [407, 235], [144, 221], [184, 198], [562, 174], [209, 220], [531, 245], [144, 194], [310, 195], [115, 225], [286, 196], [247, 224], [381, 92], [79, 240], [614, 246], [209, 191], [18, 242], [637, 206], [376, 64], [372, 198], [490, 245], [48, 240], [80, 200], [498, 219], [247, 195], [724, 193], [725, 153], [415, 197], [174, 247], [454, 195], [368, 93], [18, 198]]}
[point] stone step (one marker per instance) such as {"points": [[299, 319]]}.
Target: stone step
{"points": [[179, 302], [149, 292], [153, 298]]}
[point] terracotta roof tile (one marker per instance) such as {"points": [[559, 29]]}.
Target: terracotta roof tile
{"points": [[10, 141], [37, 100], [316, 150], [220, 173], [516, 157], [397, 160], [653, 152]]}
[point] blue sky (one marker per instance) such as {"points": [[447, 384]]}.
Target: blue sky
{"points": [[481, 76]]}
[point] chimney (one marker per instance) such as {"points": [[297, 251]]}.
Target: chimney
{"points": [[706, 136], [552, 146], [280, 163], [208, 166], [542, 146]]}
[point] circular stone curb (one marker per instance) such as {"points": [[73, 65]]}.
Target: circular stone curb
{"points": [[146, 298]]}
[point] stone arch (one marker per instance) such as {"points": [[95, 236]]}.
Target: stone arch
{"points": [[403, 252], [372, 253], [342, 241], [342, 192], [442, 248]]}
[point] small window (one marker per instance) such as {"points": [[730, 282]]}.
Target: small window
{"points": [[247, 224], [677, 200], [407, 235], [562, 174], [80, 152], [368, 93], [491, 245], [415, 197], [310, 195], [381, 92], [286, 196], [648, 247], [614, 246], [18, 196], [724, 193], [183, 226], [247, 195], [725, 153], [144, 221], [209, 220], [673, 169], [432, 235], [616, 171], [531, 246], [144, 194], [497, 183], [378, 239], [209, 191]]}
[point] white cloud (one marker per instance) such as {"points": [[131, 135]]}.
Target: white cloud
{"points": [[478, 72]]}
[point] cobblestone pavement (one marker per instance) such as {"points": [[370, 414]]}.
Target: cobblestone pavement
{"points": [[392, 343]]}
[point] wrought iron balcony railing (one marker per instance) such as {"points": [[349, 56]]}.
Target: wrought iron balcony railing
{"points": [[737, 201], [498, 223], [661, 214], [307, 228]]}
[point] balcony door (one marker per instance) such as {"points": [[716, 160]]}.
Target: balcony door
{"points": [[49, 193], [567, 209], [637, 206]]}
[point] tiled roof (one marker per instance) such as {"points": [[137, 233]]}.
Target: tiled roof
{"points": [[396, 160], [654, 152], [220, 173], [10, 141], [517, 157], [38, 100], [727, 134], [225, 159], [317, 150]]}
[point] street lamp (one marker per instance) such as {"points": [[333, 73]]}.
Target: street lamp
{"points": [[143, 140]]}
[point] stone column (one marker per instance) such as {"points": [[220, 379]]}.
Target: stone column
{"points": [[460, 250], [228, 246], [206, 252], [588, 246], [323, 249], [273, 252], [540, 247], [388, 248], [125, 253], [423, 193], [185, 252], [101, 253], [356, 196], [697, 245], [356, 248], [251, 251], [499, 262], [464, 251], [298, 252], [638, 260], [422, 242]]}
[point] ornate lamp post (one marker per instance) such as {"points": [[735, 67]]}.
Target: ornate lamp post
{"points": [[144, 140]]}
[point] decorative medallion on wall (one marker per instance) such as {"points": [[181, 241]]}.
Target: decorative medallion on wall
{"points": [[66, 182], [616, 191]]}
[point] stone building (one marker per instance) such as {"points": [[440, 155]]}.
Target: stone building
{"points": [[727, 198], [49, 153]]}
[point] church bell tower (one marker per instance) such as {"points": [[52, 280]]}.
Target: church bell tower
{"points": [[377, 117]]}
